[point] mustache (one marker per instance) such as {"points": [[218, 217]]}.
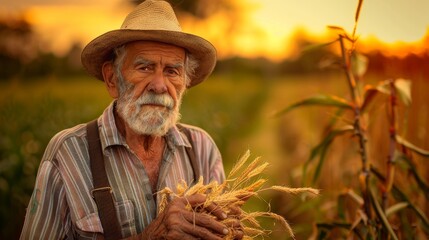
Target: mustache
{"points": [[157, 99]]}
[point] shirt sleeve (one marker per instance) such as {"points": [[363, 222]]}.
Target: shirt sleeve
{"points": [[209, 155], [46, 216], [217, 171]]}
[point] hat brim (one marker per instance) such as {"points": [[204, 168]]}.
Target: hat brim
{"points": [[100, 49]]}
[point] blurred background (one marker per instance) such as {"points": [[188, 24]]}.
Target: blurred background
{"points": [[263, 67]]}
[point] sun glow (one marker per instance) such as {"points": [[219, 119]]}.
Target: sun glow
{"points": [[60, 26], [260, 29]]}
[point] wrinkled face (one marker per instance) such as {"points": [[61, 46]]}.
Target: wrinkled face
{"points": [[150, 84]]}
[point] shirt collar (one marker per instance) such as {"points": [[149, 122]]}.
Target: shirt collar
{"points": [[110, 136], [177, 137]]}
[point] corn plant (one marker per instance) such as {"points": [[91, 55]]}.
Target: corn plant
{"points": [[386, 208]]}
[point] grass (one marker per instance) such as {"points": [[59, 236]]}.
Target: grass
{"points": [[31, 112], [235, 110]]}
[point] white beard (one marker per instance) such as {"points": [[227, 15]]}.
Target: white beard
{"points": [[148, 120]]}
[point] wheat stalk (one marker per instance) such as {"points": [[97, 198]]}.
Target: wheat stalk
{"points": [[239, 185]]}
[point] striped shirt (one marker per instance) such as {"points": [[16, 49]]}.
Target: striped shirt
{"points": [[62, 207]]}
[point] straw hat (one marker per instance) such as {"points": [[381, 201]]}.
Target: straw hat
{"points": [[152, 20]]}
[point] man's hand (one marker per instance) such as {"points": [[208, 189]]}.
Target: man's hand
{"points": [[233, 222], [178, 222]]}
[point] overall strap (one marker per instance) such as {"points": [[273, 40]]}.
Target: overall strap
{"points": [[102, 192], [191, 152]]}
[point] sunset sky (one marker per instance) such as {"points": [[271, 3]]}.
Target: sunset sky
{"points": [[265, 27]]}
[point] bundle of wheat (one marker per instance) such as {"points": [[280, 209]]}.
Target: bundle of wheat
{"points": [[239, 185]]}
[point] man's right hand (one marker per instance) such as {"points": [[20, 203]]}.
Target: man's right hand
{"points": [[178, 222]]}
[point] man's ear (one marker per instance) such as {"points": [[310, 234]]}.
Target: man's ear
{"points": [[110, 79]]}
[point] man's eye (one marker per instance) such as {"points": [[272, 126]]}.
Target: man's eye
{"points": [[144, 68], [172, 71]]}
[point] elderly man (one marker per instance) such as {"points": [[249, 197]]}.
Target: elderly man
{"points": [[102, 180]]}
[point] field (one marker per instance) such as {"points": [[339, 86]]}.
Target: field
{"points": [[237, 111]]}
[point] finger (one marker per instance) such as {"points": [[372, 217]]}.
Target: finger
{"points": [[181, 224], [216, 211], [238, 234], [194, 200], [200, 232], [234, 211], [235, 227], [232, 223], [198, 200], [205, 221]]}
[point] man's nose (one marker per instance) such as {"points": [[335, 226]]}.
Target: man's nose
{"points": [[158, 83]]}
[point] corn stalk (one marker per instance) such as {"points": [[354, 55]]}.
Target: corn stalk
{"points": [[372, 221], [359, 132]]}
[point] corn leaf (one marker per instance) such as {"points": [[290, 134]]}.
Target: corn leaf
{"points": [[322, 148], [318, 100], [336, 28], [380, 214], [359, 64], [403, 87], [357, 18], [384, 87], [411, 146], [337, 116], [324, 228], [358, 199], [420, 181], [333, 225], [318, 45], [340, 31], [370, 94], [358, 11], [400, 196], [393, 209]]}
